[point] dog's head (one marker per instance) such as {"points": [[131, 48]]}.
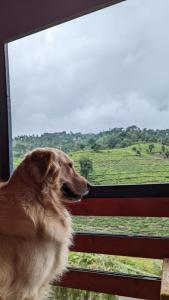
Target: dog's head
{"points": [[52, 170]]}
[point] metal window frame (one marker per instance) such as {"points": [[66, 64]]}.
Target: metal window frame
{"points": [[6, 158]]}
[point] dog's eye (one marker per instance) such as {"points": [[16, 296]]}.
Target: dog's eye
{"points": [[70, 165]]}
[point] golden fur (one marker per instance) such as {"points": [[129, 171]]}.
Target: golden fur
{"points": [[35, 226]]}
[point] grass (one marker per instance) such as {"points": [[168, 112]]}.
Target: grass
{"points": [[123, 225], [73, 294], [110, 263], [123, 166]]}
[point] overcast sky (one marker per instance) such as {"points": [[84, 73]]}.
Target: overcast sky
{"points": [[104, 70]]}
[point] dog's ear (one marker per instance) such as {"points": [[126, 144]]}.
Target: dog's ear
{"points": [[39, 164]]}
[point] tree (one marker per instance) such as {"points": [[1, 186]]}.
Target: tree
{"points": [[151, 147], [86, 167], [138, 152], [167, 154], [91, 142], [163, 148], [81, 146], [96, 147], [134, 149]]}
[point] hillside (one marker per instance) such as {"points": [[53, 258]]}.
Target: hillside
{"points": [[111, 139], [124, 165]]}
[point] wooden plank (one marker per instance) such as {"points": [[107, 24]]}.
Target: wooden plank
{"points": [[113, 283], [138, 207], [165, 280], [129, 190], [22, 17], [123, 245]]}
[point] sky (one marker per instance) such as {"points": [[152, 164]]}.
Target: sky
{"points": [[103, 70]]}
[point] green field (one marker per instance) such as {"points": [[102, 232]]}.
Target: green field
{"points": [[120, 166], [123, 166]]}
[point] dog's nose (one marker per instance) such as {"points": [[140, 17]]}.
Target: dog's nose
{"points": [[88, 186], [87, 190]]}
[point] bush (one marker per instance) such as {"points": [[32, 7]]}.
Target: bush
{"points": [[86, 167]]}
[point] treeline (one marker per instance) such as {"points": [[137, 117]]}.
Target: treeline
{"points": [[112, 138]]}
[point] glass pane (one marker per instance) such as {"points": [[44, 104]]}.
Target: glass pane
{"points": [[97, 88]]}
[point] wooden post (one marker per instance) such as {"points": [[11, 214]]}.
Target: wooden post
{"points": [[165, 280]]}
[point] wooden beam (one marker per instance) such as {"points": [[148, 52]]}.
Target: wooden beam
{"points": [[129, 190], [22, 17], [123, 245], [142, 287], [139, 207], [165, 280]]}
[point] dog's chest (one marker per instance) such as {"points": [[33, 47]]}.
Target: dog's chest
{"points": [[43, 259], [46, 254]]}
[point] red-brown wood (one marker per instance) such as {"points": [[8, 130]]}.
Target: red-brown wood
{"points": [[147, 247], [113, 283], [22, 17], [142, 206]]}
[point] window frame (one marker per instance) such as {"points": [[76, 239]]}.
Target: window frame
{"points": [[6, 157]]}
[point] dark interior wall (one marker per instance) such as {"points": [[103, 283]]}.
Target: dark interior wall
{"points": [[22, 17]]}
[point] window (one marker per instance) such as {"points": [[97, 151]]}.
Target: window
{"points": [[97, 88], [103, 78]]}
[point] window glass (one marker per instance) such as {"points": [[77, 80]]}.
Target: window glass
{"points": [[97, 88]]}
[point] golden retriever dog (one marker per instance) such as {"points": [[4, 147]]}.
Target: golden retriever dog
{"points": [[35, 226]]}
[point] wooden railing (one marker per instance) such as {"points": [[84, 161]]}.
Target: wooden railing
{"points": [[138, 200]]}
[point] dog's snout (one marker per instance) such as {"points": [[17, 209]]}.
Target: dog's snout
{"points": [[87, 190], [89, 186]]}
